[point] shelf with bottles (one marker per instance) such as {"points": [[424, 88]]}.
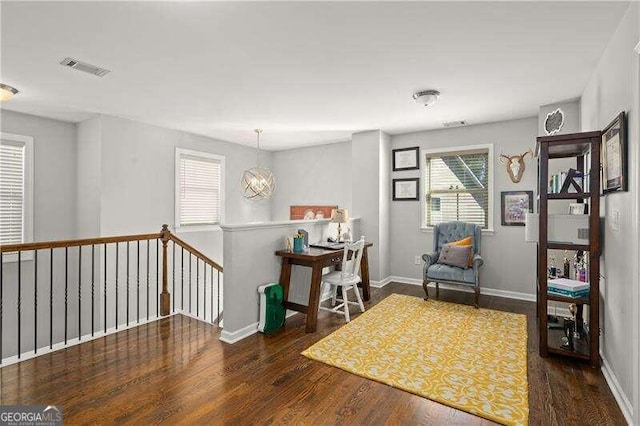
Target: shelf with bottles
{"points": [[574, 267], [569, 334]]}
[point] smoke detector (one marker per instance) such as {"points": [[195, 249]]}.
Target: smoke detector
{"points": [[426, 97], [459, 123], [83, 66]]}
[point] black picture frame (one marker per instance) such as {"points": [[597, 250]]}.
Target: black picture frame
{"points": [[407, 189], [406, 158], [613, 155], [513, 208]]}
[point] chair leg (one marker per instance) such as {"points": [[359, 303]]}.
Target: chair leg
{"points": [[346, 304], [477, 296], [437, 290], [426, 289], [334, 291], [360, 304]]}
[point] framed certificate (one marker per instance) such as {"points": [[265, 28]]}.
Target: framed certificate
{"points": [[406, 159], [613, 150], [406, 189]]}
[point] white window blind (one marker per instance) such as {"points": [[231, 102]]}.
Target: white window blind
{"points": [[457, 187], [12, 192], [199, 190]]}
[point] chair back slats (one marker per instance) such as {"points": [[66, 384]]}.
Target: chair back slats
{"points": [[352, 266]]}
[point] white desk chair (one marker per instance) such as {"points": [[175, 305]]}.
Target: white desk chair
{"points": [[348, 278]]}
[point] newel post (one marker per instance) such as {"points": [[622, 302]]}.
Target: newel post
{"points": [[165, 297]]}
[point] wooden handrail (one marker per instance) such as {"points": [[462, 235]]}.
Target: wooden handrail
{"points": [[195, 252], [7, 248]]}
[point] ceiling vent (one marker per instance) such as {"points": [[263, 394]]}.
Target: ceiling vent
{"points": [[459, 123], [83, 66]]}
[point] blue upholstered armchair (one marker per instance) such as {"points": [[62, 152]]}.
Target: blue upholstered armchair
{"points": [[435, 272]]}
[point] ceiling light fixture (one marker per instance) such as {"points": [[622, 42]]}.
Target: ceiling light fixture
{"points": [[257, 182], [426, 97], [7, 92]]}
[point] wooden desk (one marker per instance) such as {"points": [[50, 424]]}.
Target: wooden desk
{"points": [[317, 259]]}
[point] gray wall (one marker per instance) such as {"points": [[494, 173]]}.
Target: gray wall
{"points": [[318, 175], [614, 88], [54, 151], [137, 181], [572, 119], [510, 262], [370, 168], [89, 178], [54, 154]]}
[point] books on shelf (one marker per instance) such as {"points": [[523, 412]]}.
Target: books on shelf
{"points": [[568, 288], [557, 182]]}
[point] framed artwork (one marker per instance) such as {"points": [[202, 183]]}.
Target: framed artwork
{"points": [[406, 189], [578, 208], [514, 207], [406, 159], [613, 151], [310, 212]]}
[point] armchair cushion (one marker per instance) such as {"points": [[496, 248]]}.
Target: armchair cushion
{"points": [[455, 255], [440, 272]]}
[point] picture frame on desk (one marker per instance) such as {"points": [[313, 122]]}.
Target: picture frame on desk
{"points": [[613, 152], [406, 159]]}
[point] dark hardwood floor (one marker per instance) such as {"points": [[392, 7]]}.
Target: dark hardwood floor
{"points": [[177, 371]]}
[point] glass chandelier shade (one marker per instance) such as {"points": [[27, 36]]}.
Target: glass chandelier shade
{"points": [[257, 182]]}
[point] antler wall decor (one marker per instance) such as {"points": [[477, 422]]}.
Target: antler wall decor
{"points": [[515, 165]]}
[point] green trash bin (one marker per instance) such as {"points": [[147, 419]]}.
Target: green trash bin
{"points": [[272, 311]]}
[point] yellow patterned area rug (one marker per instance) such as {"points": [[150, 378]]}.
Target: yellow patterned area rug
{"points": [[471, 359]]}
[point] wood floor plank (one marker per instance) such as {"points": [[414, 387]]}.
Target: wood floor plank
{"points": [[177, 371]]}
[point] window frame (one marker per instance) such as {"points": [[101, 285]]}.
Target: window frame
{"points": [[463, 149], [198, 228], [27, 224]]}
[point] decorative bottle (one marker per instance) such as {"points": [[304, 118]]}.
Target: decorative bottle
{"points": [[566, 266], [582, 271], [553, 271]]}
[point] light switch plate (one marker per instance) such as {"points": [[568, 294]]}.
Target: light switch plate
{"points": [[615, 220], [416, 260]]}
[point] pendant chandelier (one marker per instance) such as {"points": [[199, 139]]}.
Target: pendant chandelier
{"points": [[257, 182]]}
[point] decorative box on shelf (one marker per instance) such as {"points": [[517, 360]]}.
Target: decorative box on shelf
{"points": [[568, 288]]}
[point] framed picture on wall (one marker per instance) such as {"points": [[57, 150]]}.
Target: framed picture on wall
{"points": [[514, 207], [406, 159], [406, 189], [613, 151]]}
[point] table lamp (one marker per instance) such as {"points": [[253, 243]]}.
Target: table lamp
{"points": [[339, 216]]}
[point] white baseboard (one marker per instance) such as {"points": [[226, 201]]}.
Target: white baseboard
{"points": [[530, 297], [616, 390], [380, 284], [236, 336]]}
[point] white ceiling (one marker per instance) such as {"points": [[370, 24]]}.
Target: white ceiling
{"points": [[305, 72]]}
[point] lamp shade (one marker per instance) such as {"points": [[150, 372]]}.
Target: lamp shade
{"points": [[339, 215]]}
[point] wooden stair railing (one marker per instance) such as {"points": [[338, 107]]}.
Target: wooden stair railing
{"points": [[98, 278]]}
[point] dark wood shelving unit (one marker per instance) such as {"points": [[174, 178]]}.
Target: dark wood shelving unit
{"points": [[580, 146]]}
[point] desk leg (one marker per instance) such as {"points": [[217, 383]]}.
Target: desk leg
{"points": [[285, 277], [364, 272], [314, 297]]}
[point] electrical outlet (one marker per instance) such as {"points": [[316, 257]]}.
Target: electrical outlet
{"points": [[416, 260]]}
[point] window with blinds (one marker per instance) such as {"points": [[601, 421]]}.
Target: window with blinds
{"points": [[457, 187], [12, 192], [199, 188]]}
